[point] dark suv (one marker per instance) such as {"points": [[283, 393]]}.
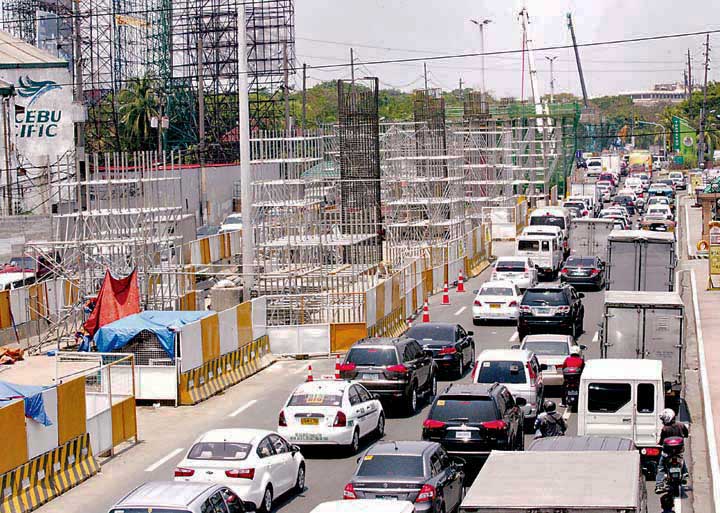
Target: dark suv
{"points": [[397, 369], [470, 420], [551, 309], [419, 472], [452, 347]]}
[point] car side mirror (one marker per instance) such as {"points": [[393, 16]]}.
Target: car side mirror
{"points": [[543, 367], [515, 346], [476, 291], [668, 387], [428, 352], [458, 462], [583, 347], [470, 333], [521, 401], [581, 295], [295, 449], [376, 397]]}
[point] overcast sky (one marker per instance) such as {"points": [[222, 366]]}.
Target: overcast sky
{"points": [[391, 29]]}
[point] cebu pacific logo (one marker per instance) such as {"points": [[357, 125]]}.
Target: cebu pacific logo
{"points": [[33, 90]]}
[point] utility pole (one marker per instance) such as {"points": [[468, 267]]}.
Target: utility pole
{"points": [[701, 139], [577, 60], [285, 89], [425, 73], [79, 99], [686, 85], [460, 89], [304, 97], [352, 66], [690, 80], [552, 78], [201, 128], [481, 24]]}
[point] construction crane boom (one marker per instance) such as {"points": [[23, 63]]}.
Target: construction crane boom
{"points": [[577, 59]]}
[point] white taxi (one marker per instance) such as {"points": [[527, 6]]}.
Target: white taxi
{"points": [[331, 412]]}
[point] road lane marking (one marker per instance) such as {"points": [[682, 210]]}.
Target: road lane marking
{"points": [[164, 460], [242, 408], [461, 310], [515, 337]]}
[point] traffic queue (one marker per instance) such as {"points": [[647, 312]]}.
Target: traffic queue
{"points": [[471, 452]]}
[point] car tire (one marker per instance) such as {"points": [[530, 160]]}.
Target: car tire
{"points": [[471, 363], [460, 367], [380, 428], [354, 446], [411, 400], [431, 392], [476, 322], [300, 480], [266, 502]]}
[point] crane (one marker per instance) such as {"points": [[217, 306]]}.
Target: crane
{"points": [[577, 59]]}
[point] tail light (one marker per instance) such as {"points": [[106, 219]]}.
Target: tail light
{"points": [[349, 492], [427, 493], [495, 424], [563, 271], [650, 451], [477, 303], [525, 309], [400, 369], [281, 419], [513, 303], [184, 472], [563, 309], [346, 367], [243, 473], [631, 203], [594, 272], [340, 419], [447, 350], [433, 424], [531, 371], [474, 372]]}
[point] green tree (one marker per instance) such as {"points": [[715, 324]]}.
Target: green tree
{"points": [[137, 103]]}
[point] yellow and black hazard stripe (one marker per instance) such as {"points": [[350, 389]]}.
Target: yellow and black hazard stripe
{"points": [[220, 373]]}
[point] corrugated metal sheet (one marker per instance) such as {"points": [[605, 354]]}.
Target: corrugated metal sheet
{"points": [[15, 53]]}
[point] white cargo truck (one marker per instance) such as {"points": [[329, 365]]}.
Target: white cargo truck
{"points": [[646, 325], [563, 481], [641, 260], [589, 237]]}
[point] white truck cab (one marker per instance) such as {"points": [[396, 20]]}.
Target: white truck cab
{"points": [[623, 398], [545, 250]]}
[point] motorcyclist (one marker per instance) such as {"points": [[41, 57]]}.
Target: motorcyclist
{"points": [[575, 358], [670, 428], [549, 422]]}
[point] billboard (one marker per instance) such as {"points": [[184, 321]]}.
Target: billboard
{"points": [[684, 138]]}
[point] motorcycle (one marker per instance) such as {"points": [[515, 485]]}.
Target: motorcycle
{"points": [[571, 386], [673, 449]]}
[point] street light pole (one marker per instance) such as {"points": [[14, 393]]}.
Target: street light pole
{"points": [[481, 24], [664, 134], [552, 78]]}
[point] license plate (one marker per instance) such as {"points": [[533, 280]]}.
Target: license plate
{"points": [[494, 306], [572, 393], [463, 435], [386, 497], [542, 311], [307, 437], [310, 422], [577, 273], [369, 377]]}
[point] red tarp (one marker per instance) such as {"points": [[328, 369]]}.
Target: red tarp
{"points": [[116, 299]]}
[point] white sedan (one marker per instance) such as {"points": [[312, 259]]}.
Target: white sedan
{"points": [[496, 300], [550, 350], [331, 412], [257, 465]]}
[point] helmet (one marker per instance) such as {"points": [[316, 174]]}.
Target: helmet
{"points": [[549, 406], [575, 351], [667, 416]]}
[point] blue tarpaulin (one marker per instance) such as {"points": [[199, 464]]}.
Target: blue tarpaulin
{"points": [[163, 325], [32, 395]]}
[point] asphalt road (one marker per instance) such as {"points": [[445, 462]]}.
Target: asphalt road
{"points": [[168, 432]]}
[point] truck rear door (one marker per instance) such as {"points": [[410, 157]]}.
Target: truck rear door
{"points": [[624, 263], [657, 263], [663, 330], [622, 333]]}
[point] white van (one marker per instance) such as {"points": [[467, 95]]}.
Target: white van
{"points": [[544, 250], [553, 216], [545, 230], [623, 397]]}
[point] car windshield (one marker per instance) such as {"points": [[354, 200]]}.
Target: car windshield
{"points": [[474, 409], [623, 199], [233, 220], [430, 332], [318, 398], [547, 348], [501, 372], [580, 262], [657, 211], [229, 451], [495, 291], [542, 297], [574, 204], [528, 245], [378, 356], [548, 221], [391, 465], [510, 266]]}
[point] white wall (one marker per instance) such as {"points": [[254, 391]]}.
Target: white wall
{"points": [[41, 439]]}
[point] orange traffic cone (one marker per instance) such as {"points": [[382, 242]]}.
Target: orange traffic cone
{"points": [[309, 374], [426, 312], [337, 366], [461, 282], [446, 296]]}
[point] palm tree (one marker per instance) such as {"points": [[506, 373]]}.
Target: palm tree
{"points": [[138, 102]]}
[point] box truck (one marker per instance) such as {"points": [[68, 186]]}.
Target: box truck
{"points": [[646, 325], [641, 260], [589, 237]]}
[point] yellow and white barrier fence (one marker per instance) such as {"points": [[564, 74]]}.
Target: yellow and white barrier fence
{"points": [[39, 300], [215, 248]]}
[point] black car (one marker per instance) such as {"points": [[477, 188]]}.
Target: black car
{"points": [[470, 420], [551, 309], [452, 348], [396, 369], [625, 201], [419, 472], [583, 270]]}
